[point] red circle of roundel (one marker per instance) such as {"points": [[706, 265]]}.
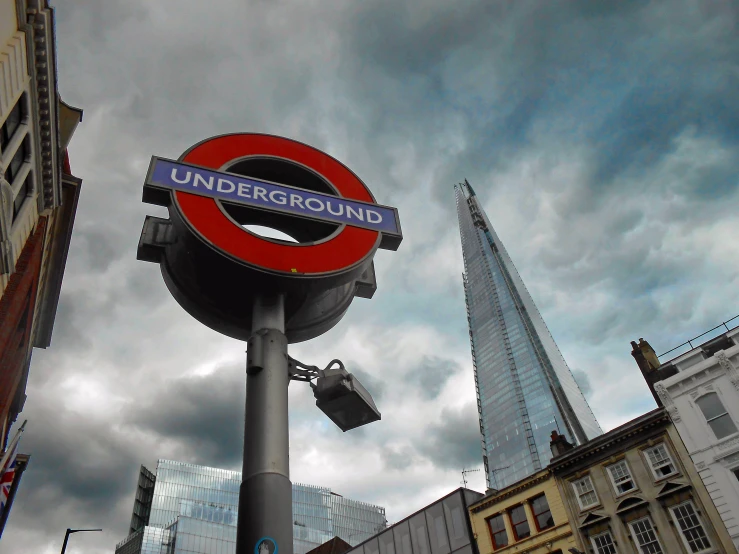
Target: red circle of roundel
{"points": [[342, 251]]}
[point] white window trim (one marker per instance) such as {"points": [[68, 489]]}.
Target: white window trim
{"points": [[633, 533], [613, 482], [577, 493], [679, 531], [658, 477], [595, 548], [726, 412]]}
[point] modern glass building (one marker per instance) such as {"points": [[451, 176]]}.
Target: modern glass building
{"points": [[191, 509], [524, 388]]}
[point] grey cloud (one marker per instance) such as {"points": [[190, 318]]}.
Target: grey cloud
{"points": [[454, 441], [204, 412], [398, 457], [431, 374], [375, 386], [583, 381], [570, 119]]}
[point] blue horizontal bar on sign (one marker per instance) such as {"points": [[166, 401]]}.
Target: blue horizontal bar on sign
{"points": [[228, 187]]}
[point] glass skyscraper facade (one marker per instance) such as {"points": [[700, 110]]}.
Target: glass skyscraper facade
{"points": [[525, 389], [190, 509]]}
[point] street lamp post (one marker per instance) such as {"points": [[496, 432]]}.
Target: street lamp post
{"points": [[69, 532], [265, 497]]}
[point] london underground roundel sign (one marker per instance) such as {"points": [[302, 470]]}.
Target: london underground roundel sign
{"points": [[214, 266]]}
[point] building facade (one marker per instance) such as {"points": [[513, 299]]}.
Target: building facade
{"points": [[193, 509], [442, 527], [528, 516], [525, 389], [38, 195], [634, 490], [700, 390]]}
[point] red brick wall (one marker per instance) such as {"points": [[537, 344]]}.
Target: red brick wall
{"points": [[16, 317]]}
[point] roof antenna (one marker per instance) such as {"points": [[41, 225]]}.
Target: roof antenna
{"points": [[466, 471]]}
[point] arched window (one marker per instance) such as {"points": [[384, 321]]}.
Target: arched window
{"points": [[716, 415]]}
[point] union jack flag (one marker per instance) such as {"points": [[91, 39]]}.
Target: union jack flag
{"points": [[7, 466], [6, 481]]}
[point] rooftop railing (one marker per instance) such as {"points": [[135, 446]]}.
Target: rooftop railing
{"points": [[690, 342]]}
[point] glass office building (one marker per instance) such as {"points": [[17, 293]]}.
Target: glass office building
{"points": [[524, 388], [190, 509]]}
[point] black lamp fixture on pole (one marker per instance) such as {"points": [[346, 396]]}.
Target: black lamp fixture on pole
{"points": [[69, 532]]}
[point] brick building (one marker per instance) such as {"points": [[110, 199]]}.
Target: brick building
{"points": [[38, 194]]}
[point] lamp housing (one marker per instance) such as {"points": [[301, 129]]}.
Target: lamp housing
{"points": [[341, 396]]}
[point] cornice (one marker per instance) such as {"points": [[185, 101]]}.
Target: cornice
{"points": [[510, 491], [608, 441], [42, 66]]}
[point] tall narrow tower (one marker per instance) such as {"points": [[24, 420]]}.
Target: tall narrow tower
{"points": [[524, 388]]}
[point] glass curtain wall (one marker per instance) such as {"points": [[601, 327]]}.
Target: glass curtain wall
{"points": [[194, 510], [525, 389]]}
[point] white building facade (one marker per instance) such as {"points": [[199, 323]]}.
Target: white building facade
{"points": [[700, 391]]}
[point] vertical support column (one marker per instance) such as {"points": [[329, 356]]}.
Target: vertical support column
{"points": [[265, 496]]}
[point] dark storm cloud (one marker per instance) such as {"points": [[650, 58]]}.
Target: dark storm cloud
{"points": [[82, 473], [204, 412], [601, 136], [453, 442]]}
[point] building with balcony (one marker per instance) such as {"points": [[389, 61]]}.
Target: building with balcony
{"points": [[634, 490], [699, 389]]}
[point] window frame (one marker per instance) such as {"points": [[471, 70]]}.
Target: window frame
{"points": [[535, 515], [613, 481], [658, 477], [596, 548], [651, 528], [6, 136], [725, 413], [20, 196], [24, 150], [513, 525], [680, 531], [579, 496], [496, 546]]}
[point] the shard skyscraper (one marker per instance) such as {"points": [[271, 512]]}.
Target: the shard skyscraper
{"points": [[524, 388]]}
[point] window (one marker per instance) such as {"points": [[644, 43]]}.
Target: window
{"points": [[20, 197], [498, 532], [621, 477], [586, 496], [736, 474], [645, 536], [19, 158], [542, 513], [603, 544], [660, 461], [519, 523], [716, 415], [694, 536], [12, 122]]}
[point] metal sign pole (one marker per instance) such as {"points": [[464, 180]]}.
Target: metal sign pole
{"points": [[265, 496]]}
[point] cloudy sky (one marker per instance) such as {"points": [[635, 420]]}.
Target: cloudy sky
{"points": [[601, 138]]}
